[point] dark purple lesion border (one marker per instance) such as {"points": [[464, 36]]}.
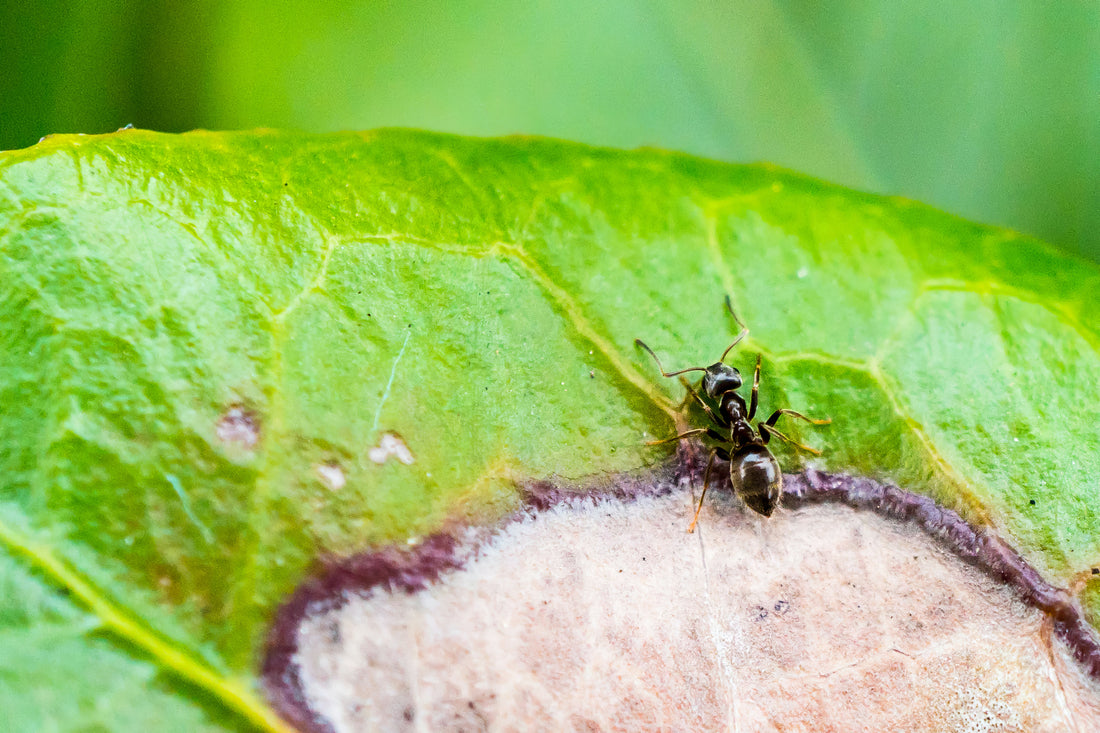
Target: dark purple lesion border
{"points": [[979, 547], [329, 587], [410, 569]]}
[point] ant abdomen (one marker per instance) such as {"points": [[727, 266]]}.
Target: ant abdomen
{"points": [[756, 478]]}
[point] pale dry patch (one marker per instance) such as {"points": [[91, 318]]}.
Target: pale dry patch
{"points": [[331, 475], [609, 616], [239, 425], [391, 444]]}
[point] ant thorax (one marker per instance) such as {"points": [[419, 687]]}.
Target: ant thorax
{"points": [[732, 407]]}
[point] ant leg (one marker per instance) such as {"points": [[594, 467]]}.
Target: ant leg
{"points": [[711, 433], [706, 483], [767, 428], [681, 436], [766, 431], [755, 389], [775, 416], [706, 408]]}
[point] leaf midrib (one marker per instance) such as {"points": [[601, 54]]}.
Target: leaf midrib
{"points": [[235, 693]]}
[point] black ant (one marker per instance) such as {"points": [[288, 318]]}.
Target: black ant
{"points": [[754, 472]]}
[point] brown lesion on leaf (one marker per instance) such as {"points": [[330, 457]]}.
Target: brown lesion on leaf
{"points": [[759, 572], [332, 583], [239, 425]]}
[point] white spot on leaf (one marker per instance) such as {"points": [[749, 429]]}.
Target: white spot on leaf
{"points": [[332, 475], [391, 445]]}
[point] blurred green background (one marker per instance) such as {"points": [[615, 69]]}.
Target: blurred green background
{"points": [[987, 109]]}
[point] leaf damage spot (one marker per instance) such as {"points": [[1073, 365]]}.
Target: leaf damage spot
{"points": [[239, 425], [596, 605], [331, 475], [391, 444]]}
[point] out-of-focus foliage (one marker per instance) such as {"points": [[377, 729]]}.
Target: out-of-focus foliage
{"points": [[989, 109]]}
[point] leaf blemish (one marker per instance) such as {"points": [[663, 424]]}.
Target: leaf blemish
{"points": [[370, 599], [331, 475], [391, 444], [239, 425]]}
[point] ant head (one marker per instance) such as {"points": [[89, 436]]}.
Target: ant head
{"points": [[719, 379]]}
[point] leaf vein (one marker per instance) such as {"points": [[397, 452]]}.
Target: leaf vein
{"points": [[581, 324], [234, 694]]}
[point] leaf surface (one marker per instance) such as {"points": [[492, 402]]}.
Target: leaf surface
{"points": [[204, 337]]}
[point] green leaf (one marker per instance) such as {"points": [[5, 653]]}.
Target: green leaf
{"points": [[62, 669], [204, 337]]}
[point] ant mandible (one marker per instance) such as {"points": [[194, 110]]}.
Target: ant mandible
{"points": [[754, 472]]}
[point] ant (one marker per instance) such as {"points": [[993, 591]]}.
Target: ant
{"points": [[754, 472]]}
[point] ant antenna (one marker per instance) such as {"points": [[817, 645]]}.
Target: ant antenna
{"points": [[639, 342], [744, 329]]}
